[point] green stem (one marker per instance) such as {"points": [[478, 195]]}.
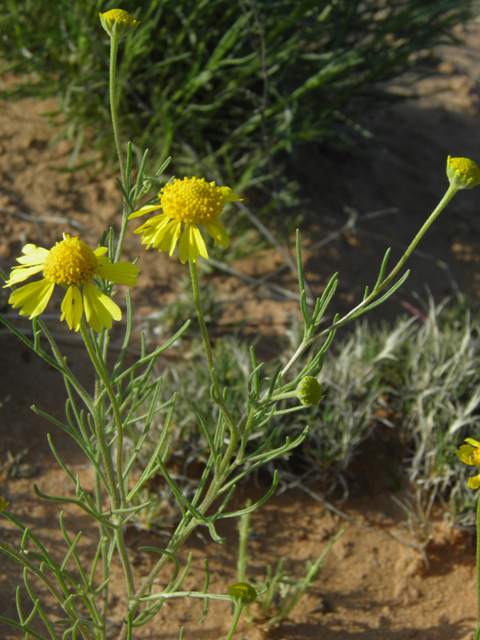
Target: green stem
{"points": [[208, 350], [99, 431], [103, 550], [451, 191], [113, 110], [236, 618], [113, 104], [306, 342], [116, 412], [117, 489]]}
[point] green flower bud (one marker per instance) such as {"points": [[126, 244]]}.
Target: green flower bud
{"points": [[3, 504], [118, 23], [309, 391], [462, 173], [242, 593]]}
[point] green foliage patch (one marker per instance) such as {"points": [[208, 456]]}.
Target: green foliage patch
{"points": [[224, 83]]}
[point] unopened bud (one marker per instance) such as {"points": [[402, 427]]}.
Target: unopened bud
{"points": [[462, 173], [309, 391], [118, 23], [242, 593]]}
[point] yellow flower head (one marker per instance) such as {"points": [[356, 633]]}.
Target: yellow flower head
{"points": [[462, 173], [3, 504], [190, 202], [118, 23], [470, 454], [309, 391], [71, 264]]}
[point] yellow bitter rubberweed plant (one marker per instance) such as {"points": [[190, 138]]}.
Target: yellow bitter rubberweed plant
{"points": [[77, 578], [470, 454]]}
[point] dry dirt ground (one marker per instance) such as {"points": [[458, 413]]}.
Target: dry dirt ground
{"points": [[375, 584]]}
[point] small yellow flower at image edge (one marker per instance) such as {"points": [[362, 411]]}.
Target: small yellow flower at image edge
{"points": [[462, 173], [72, 264], [470, 454], [191, 201]]}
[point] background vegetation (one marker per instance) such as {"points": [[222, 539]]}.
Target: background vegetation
{"points": [[224, 83]]}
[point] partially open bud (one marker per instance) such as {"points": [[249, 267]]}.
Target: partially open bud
{"points": [[118, 23], [309, 391], [462, 173], [242, 593]]}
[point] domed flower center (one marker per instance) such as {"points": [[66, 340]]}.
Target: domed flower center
{"points": [[465, 168], [70, 261], [192, 201], [118, 15]]}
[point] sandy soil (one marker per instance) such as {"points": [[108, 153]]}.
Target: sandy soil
{"points": [[375, 584]]}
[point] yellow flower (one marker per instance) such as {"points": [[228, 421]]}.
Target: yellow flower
{"points": [[462, 173], [192, 202], [470, 454], [118, 23], [3, 504], [71, 264]]}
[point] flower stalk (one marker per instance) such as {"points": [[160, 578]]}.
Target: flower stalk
{"points": [[217, 395]]}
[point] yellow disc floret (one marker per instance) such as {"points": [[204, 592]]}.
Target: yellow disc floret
{"points": [[118, 15], [70, 261], [192, 200], [462, 173], [118, 23]]}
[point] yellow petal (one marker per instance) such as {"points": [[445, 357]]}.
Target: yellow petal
{"points": [[19, 274], [191, 244], [121, 272], [33, 254], [143, 210], [33, 297], [472, 442], [99, 308], [100, 251], [474, 483], [170, 236], [229, 195], [218, 233], [152, 230], [72, 307], [468, 454]]}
